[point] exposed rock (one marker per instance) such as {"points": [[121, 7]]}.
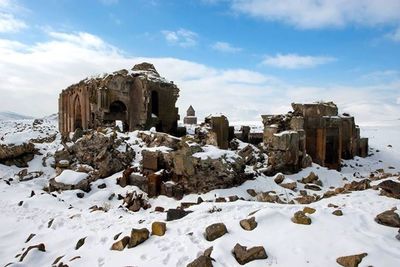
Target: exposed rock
{"points": [[157, 139], [244, 255], [301, 218], [311, 178], [215, 231], [248, 224], [312, 187], [268, 197], [251, 192], [398, 236], [176, 214], [337, 213], [30, 237], [306, 199], [201, 261], [351, 261], [289, 185], [18, 155], [138, 236], [158, 228], [388, 218], [358, 186], [279, 178], [309, 210], [121, 244], [40, 247], [83, 185], [390, 188], [80, 243], [134, 202]]}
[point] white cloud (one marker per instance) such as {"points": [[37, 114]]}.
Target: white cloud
{"points": [[294, 61], [181, 37], [395, 35], [32, 76], [311, 14], [225, 47], [8, 23]]}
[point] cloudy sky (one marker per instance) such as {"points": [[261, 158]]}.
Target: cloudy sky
{"points": [[239, 57]]}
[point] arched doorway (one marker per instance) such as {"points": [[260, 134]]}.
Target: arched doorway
{"points": [[154, 103], [77, 113], [118, 112]]}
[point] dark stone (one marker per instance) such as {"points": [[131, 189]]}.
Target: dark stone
{"points": [[215, 231], [176, 214], [390, 188], [244, 255], [351, 261], [138, 236], [388, 218]]}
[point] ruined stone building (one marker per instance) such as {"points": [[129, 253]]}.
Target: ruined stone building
{"points": [[315, 129], [190, 117], [140, 98]]}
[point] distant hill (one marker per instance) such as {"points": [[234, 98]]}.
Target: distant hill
{"points": [[8, 115]]}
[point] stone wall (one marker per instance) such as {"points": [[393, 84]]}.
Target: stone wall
{"points": [[140, 98]]}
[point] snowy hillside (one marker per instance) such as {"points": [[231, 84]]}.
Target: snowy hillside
{"points": [[79, 228], [8, 115]]}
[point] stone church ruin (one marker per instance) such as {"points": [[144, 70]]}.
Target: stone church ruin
{"points": [[173, 166], [140, 98]]}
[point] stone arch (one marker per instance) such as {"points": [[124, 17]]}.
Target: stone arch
{"points": [[119, 111], [78, 122]]}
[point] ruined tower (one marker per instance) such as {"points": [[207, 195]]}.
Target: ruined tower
{"points": [[140, 98], [190, 116]]}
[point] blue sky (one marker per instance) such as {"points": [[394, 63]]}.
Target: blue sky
{"points": [[243, 58]]}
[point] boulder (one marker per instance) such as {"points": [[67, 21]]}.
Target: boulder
{"points": [[337, 213], [18, 155], [41, 247], [244, 255], [279, 178], [251, 192], [358, 185], [121, 244], [312, 187], [158, 228], [268, 197], [301, 218], [215, 231], [289, 185], [306, 199], [388, 218], [248, 224], [390, 188], [309, 210], [176, 214], [311, 178], [138, 236], [202, 261], [351, 261]]}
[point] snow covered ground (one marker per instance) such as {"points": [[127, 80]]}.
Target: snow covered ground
{"points": [[59, 220]]}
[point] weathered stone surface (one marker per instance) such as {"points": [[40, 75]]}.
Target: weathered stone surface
{"points": [[388, 218], [121, 244], [248, 224], [244, 255], [18, 155], [176, 214], [337, 213], [301, 218], [279, 178], [268, 197], [41, 247], [158, 228], [83, 185], [358, 185], [202, 261], [312, 187], [289, 185], [251, 192], [134, 202], [138, 236], [306, 199], [215, 231], [309, 210], [351, 261], [311, 178], [390, 188]]}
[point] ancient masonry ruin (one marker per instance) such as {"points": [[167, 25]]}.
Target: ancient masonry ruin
{"points": [[140, 98], [190, 117], [314, 129]]}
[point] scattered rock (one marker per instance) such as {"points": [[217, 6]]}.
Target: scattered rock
{"points": [[80, 194], [80, 243], [312, 187], [390, 188], [268, 197], [279, 178], [244, 255], [312, 177], [102, 186], [289, 185], [358, 186], [337, 213], [351, 261], [159, 209], [138, 236], [176, 214], [330, 205], [248, 224], [301, 218], [305, 199], [251, 192], [134, 202], [30, 237], [18, 155], [158, 228], [388, 218], [40, 247], [201, 261], [398, 236], [215, 231], [309, 210], [121, 244]]}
